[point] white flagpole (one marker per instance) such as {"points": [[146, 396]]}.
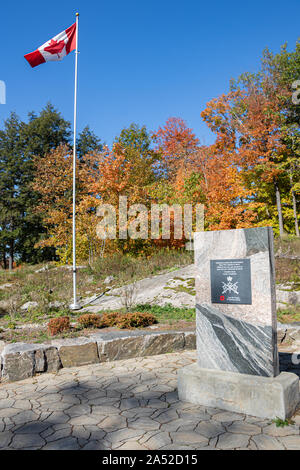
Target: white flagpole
{"points": [[75, 305]]}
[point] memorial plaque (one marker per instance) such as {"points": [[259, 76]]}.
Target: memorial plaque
{"points": [[230, 281], [235, 301]]}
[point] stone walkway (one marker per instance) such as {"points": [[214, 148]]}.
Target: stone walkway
{"points": [[130, 404]]}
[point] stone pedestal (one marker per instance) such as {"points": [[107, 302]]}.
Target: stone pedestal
{"points": [[264, 397]]}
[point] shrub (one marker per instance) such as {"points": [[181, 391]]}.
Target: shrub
{"points": [[128, 320], [135, 320], [108, 319], [57, 325], [90, 320]]}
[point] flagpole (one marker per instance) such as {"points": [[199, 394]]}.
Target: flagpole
{"points": [[75, 305]]}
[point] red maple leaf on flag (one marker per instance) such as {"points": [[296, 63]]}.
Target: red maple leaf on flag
{"points": [[55, 47]]}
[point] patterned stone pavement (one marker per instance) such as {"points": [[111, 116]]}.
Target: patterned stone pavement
{"points": [[129, 404]]}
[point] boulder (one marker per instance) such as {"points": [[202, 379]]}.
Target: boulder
{"points": [[29, 305]]}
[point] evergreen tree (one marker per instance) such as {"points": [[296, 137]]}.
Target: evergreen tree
{"points": [[13, 169], [20, 224], [87, 142]]}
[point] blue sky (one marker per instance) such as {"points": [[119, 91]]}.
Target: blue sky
{"points": [[140, 61]]}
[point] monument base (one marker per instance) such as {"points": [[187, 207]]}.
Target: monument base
{"points": [[264, 397]]}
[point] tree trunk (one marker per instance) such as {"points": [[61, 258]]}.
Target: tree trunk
{"points": [[294, 208], [279, 210], [4, 260], [11, 256]]}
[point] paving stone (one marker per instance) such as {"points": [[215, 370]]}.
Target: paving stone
{"points": [[61, 433], [96, 445], [50, 398], [34, 427], [166, 416], [209, 429], [144, 424], [176, 424], [82, 442], [25, 417], [47, 432], [6, 403], [264, 442], [156, 403], [59, 418], [157, 441], [105, 410], [240, 427], [68, 443], [57, 427], [78, 410], [72, 400], [55, 406], [188, 437], [123, 435], [252, 445], [278, 431], [20, 441], [80, 432], [137, 412], [82, 420], [227, 417], [23, 405], [232, 441], [291, 442], [178, 447], [129, 405], [196, 416], [97, 435], [5, 439], [132, 445]]}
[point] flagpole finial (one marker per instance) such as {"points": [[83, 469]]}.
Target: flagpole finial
{"points": [[77, 14]]}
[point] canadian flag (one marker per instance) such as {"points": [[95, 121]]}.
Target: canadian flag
{"points": [[54, 49]]}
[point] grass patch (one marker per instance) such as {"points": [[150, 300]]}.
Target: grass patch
{"points": [[168, 313], [289, 314], [288, 245], [127, 268]]}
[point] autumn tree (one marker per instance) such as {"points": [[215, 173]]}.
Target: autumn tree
{"points": [[177, 145]]}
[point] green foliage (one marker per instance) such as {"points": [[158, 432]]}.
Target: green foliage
{"points": [[168, 312], [87, 142], [276, 81], [20, 225], [136, 142], [280, 423]]}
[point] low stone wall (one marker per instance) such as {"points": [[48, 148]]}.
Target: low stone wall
{"points": [[19, 361], [22, 360]]}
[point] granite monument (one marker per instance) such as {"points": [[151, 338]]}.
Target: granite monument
{"points": [[237, 365], [235, 301]]}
